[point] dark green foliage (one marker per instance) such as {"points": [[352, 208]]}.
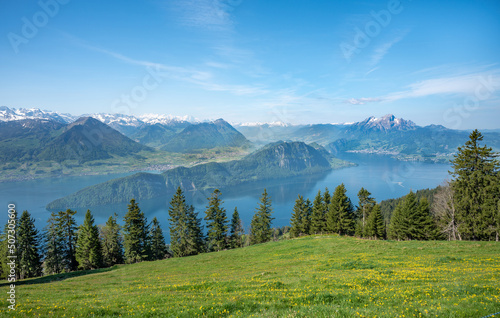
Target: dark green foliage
{"points": [[112, 242], [88, 247], [375, 225], [301, 217], [216, 223], [135, 235], [340, 216], [366, 203], [186, 235], [260, 228], [387, 206], [54, 247], [426, 225], [8, 250], [67, 225], [318, 215], [158, 246], [28, 245], [476, 189], [236, 230]]}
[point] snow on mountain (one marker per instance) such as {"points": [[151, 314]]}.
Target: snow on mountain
{"points": [[9, 114], [387, 122], [152, 119], [256, 124], [117, 119]]}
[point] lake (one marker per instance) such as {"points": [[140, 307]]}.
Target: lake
{"points": [[383, 176]]}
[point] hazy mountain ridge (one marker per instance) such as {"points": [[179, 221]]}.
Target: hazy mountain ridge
{"points": [[280, 160]]}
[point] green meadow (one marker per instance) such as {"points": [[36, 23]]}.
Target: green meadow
{"points": [[315, 276]]}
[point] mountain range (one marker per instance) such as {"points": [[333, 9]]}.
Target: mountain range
{"points": [[275, 161]]}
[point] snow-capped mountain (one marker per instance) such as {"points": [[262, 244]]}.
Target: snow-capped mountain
{"points": [[385, 123], [153, 119], [9, 114], [256, 124]]}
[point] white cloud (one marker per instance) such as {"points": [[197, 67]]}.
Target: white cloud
{"points": [[211, 14], [383, 49]]}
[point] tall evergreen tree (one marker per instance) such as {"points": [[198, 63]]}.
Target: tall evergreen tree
{"points": [[28, 245], [318, 215], [216, 223], [340, 213], [260, 227], [375, 225], [195, 238], [397, 226], [136, 235], [67, 229], [8, 246], [366, 203], [158, 246], [426, 226], [298, 217], [54, 246], [112, 242], [476, 188], [236, 230], [88, 248]]}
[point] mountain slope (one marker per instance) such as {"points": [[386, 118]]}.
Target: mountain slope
{"points": [[206, 136], [279, 160]]}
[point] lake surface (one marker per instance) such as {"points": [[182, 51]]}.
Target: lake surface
{"points": [[383, 176]]}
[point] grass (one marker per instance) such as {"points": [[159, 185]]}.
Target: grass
{"points": [[318, 276]]}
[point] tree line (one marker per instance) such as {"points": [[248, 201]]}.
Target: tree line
{"points": [[466, 208]]}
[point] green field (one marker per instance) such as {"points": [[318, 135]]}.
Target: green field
{"points": [[316, 276]]}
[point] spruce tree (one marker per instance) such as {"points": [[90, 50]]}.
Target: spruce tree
{"points": [[426, 225], [236, 230], [216, 223], [298, 217], [340, 213], [158, 246], [410, 212], [318, 215], [260, 227], [476, 188], [366, 203], [136, 235], [375, 225], [88, 247], [28, 245], [67, 230], [397, 224], [112, 242], [194, 238], [54, 246]]}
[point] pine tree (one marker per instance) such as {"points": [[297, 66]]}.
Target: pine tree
{"points": [[158, 246], [216, 223], [54, 246], [340, 213], [28, 245], [476, 188], [88, 247], [186, 233], [236, 230], [112, 242], [427, 229], [260, 227], [67, 230], [410, 213], [366, 203], [298, 216], [318, 215], [135, 235], [375, 225]]}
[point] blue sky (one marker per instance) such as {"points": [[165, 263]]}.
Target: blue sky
{"points": [[294, 61]]}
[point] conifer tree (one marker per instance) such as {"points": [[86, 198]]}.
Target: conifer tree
{"points": [[318, 215], [366, 203], [8, 246], [216, 223], [88, 248], [195, 238], [340, 213], [54, 246], [136, 235], [112, 242], [476, 188], [236, 230], [67, 230], [298, 217], [260, 227], [427, 229], [375, 225], [28, 246], [158, 246]]}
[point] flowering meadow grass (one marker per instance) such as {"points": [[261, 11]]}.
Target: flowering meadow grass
{"points": [[317, 276]]}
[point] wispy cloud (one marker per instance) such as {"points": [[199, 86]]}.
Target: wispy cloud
{"points": [[479, 85], [383, 49], [211, 14]]}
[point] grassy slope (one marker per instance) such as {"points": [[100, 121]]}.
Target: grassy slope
{"points": [[325, 276]]}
